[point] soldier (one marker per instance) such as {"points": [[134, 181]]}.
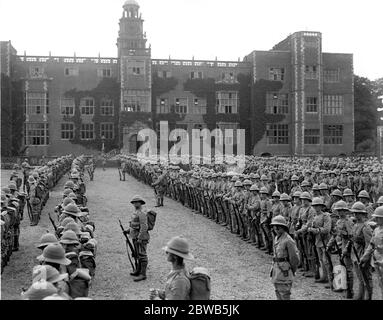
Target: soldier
{"points": [[364, 197], [159, 187], [361, 237], [286, 207], [138, 231], [336, 195], [320, 228], [253, 206], [348, 197], [340, 239], [375, 247], [295, 185], [265, 220], [177, 285], [277, 206], [285, 260], [237, 201], [306, 215]]}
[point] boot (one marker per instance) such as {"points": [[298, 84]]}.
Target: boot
{"points": [[34, 220], [138, 270], [158, 203], [142, 275]]}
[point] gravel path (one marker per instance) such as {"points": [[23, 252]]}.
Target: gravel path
{"points": [[238, 270]]}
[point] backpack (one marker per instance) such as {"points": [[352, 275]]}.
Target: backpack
{"points": [[199, 284], [151, 215]]}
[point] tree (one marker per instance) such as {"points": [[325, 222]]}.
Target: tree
{"points": [[366, 115]]}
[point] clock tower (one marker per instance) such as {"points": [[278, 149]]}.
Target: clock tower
{"points": [[134, 76]]}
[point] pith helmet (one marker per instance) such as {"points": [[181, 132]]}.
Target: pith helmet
{"points": [[340, 205], [67, 192], [347, 192], [238, 184], [247, 182], [252, 175], [358, 207], [306, 195], [315, 187], [54, 253], [180, 247], [380, 200], [69, 237], [279, 221], [254, 187], [363, 194], [264, 190], [137, 199], [378, 213], [323, 186], [69, 184], [48, 273], [297, 194], [336, 193], [276, 194], [317, 202], [264, 178], [285, 197], [305, 183], [294, 178], [47, 239], [72, 210]]}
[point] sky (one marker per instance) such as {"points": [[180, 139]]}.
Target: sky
{"points": [[205, 29]]}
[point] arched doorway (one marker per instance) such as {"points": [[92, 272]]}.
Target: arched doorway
{"points": [[133, 144]]}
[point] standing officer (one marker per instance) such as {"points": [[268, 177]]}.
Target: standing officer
{"points": [[159, 187], [285, 260], [138, 231]]}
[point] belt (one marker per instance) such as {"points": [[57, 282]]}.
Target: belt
{"points": [[280, 259]]}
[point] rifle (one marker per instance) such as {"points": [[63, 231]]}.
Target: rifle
{"points": [[327, 254], [302, 244], [53, 223], [119, 173], [129, 245], [362, 272]]}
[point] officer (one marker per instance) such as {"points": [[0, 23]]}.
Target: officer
{"points": [[177, 285], [361, 237], [138, 231], [285, 259], [374, 250]]}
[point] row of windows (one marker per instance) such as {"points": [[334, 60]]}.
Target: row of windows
{"points": [[87, 131], [181, 106], [87, 106], [311, 72], [37, 134], [72, 71], [138, 68], [279, 134], [277, 103]]}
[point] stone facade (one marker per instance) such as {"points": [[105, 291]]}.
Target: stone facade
{"points": [[291, 100]]}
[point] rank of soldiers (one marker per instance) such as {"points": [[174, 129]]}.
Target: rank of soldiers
{"points": [[323, 217], [29, 186], [66, 264]]}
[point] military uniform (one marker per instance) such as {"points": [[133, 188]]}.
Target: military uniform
{"points": [[285, 263], [138, 231]]}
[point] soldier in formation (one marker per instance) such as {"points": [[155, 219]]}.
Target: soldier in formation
{"points": [[37, 181], [66, 265], [329, 208]]}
